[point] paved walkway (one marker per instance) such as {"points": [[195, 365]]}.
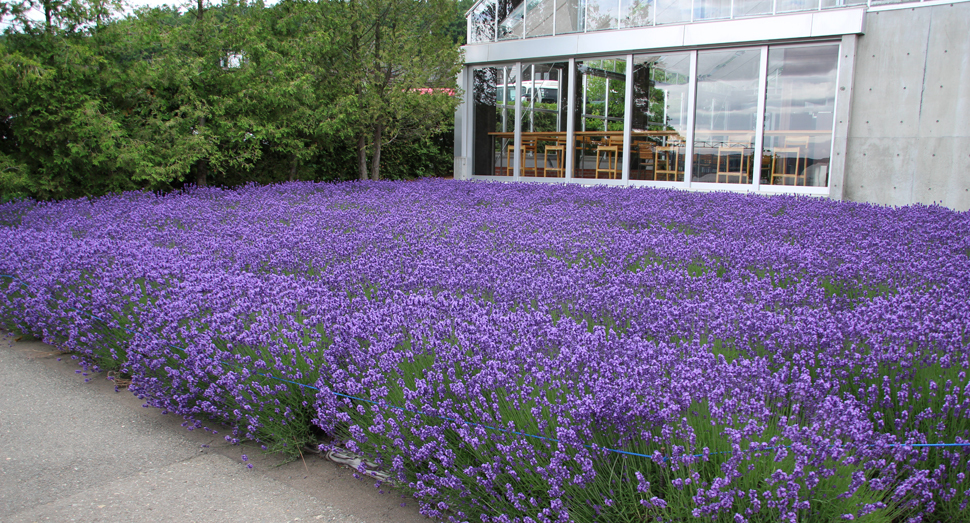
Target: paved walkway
{"points": [[76, 451]]}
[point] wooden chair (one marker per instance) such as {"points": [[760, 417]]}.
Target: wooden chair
{"points": [[645, 161], [662, 162], [509, 169], [611, 150], [612, 153], [793, 147], [526, 147], [743, 171], [559, 155]]}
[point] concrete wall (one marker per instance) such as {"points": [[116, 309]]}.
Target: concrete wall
{"points": [[909, 127]]}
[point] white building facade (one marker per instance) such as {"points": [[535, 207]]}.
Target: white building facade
{"points": [[835, 98]]}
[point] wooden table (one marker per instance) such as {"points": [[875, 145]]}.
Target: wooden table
{"points": [[642, 147]]}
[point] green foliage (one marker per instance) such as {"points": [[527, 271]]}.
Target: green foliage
{"points": [[457, 27], [225, 94], [399, 67]]}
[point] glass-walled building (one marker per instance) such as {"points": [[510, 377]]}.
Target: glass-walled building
{"points": [[746, 95]]}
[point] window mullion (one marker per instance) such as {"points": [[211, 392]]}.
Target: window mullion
{"points": [[691, 107], [627, 119], [759, 135], [517, 136], [570, 83]]}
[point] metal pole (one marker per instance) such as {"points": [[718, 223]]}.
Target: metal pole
{"points": [[517, 137], [666, 101], [582, 110], [606, 105], [570, 118], [627, 119], [532, 98], [759, 135], [559, 86], [554, 7], [525, 15], [691, 106]]}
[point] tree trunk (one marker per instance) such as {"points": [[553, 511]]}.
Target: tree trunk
{"points": [[354, 57], [362, 156], [293, 165], [375, 170], [48, 15], [202, 167]]}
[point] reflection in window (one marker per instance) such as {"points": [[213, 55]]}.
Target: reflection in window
{"points": [[797, 134], [743, 8], [673, 11], [844, 3], [511, 14], [539, 17], [570, 17], [799, 115], [601, 14], [636, 13], [543, 98], [712, 9], [787, 6], [660, 105], [482, 22], [599, 124], [726, 115], [530, 18], [493, 91]]}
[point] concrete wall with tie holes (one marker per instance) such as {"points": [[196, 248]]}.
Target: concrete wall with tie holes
{"points": [[909, 122]]}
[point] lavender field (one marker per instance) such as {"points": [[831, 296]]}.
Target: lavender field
{"points": [[512, 352]]}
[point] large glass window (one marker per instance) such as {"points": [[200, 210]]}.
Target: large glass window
{"points": [[493, 93], [570, 16], [543, 98], [743, 8], [493, 20], [846, 3], [601, 14], [672, 11], [693, 117], [636, 13], [539, 16], [726, 115], [482, 22], [712, 9], [660, 105], [787, 6], [799, 115], [511, 15], [601, 105]]}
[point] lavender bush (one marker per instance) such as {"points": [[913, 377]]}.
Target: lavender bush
{"points": [[537, 353]]}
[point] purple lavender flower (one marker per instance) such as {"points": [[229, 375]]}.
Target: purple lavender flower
{"points": [[492, 347]]}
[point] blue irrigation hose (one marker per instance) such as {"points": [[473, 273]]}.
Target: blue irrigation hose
{"points": [[487, 427]]}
